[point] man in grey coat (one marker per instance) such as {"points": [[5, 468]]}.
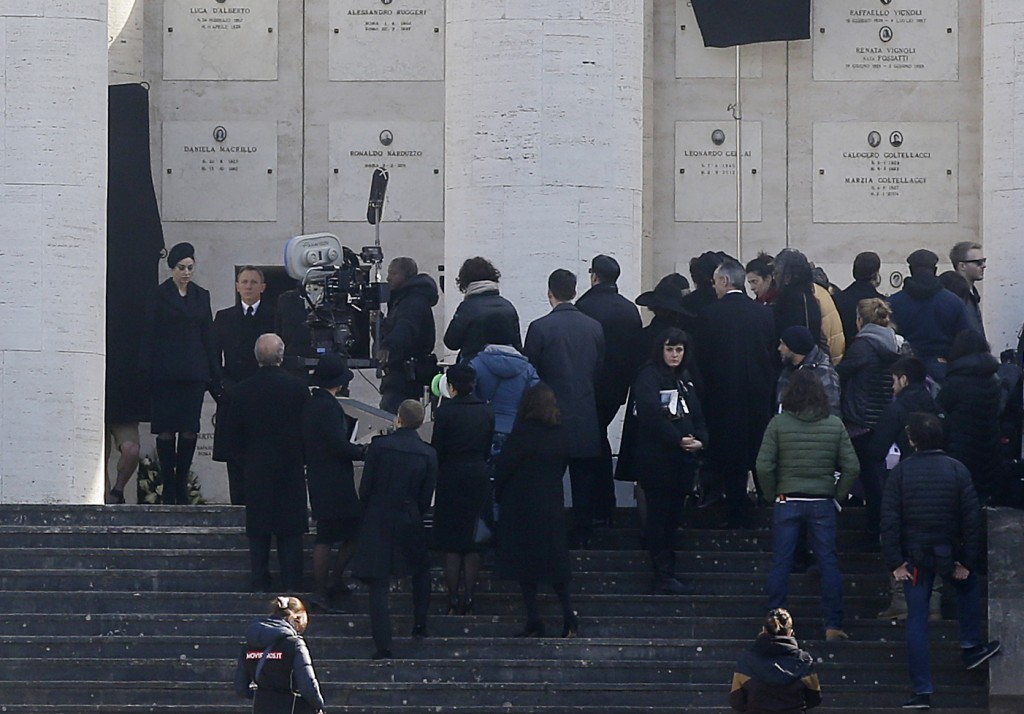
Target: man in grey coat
{"points": [[567, 349], [398, 482]]}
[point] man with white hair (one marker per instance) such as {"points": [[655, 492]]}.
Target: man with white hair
{"points": [[264, 433]]}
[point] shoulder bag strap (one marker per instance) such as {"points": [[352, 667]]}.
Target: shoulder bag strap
{"points": [[263, 659]]}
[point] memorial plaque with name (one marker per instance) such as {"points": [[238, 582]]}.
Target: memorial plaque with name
{"points": [[220, 39], [886, 172], [706, 171], [694, 60], [219, 171], [886, 40], [413, 154], [386, 40]]}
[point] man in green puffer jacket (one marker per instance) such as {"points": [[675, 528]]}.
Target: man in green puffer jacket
{"points": [[802, 451]]}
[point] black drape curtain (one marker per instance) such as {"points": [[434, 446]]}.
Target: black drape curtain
{"points": [[727, 23]]}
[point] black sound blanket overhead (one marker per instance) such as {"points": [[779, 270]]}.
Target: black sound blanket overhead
{"points": [[727, 23], [134, 241]]}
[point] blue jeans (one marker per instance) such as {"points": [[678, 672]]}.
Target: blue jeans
{"points": [[820, 519], [968, 596]]}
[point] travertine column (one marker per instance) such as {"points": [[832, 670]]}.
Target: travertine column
{"points": [[543, 141], [1003, 170], [53, 173]]}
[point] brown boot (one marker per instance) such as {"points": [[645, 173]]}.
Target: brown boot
{"points": [[897, 609]]}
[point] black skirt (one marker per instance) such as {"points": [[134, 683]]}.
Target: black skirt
{"points": [[176, 406], [463, 488]]}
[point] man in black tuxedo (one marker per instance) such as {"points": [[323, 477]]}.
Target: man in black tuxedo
{"points": [[235, 330], [264, 431]]}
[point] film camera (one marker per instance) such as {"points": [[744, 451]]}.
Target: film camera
{"points": [[340, 293]]}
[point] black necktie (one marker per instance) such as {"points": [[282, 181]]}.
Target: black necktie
{"points": [[249, 311]]}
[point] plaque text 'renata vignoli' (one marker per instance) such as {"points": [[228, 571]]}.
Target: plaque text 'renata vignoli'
{"points": [[886, 40], [220, 39], [886, 172]]}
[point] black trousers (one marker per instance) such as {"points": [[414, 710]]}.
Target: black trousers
{"points": [[289, 558], [604, 481], [581, 480], [394, 391], [380, 612], [664, 509], [236, 483]]}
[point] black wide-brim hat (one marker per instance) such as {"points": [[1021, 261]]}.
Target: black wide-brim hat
{"points": [[332, 371], [667, 294]]}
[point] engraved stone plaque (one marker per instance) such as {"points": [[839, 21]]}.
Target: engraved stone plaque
{"points": [[386, 40], [706, 171], [219, 171], [693, 59], [886, 40], [220, 39], [886, 172], [413, 154]]}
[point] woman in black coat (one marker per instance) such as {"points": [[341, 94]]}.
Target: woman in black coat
{"points": [[532, 543], [795, 303], [179, 362], [972, 399], [463, 431], [670, 433], [484, 317]]}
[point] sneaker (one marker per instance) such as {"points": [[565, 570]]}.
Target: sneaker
{"points": [[835, 635], [974, 656], [919, 701]]}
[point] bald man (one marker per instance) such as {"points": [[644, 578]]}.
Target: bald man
{"points": [[264, 433]]}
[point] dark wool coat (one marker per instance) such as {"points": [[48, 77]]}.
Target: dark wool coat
{"points": [[892, 424], [846, 303], [532, 543], [326, 431], [177, 336], [234, 336], [793, 307], [265, 433], [567, 348], [620, 321], [658, 461], [972, 398], [396, 488], [480, 320], [774, 676], [693, 305], [864, 375], [736, 353], [928, 501], [463, 430]]}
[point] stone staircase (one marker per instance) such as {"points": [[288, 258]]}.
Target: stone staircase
{"points": [[119, 609]]}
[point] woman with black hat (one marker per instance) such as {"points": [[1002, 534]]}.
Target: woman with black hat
{"points": [[330, 475], [179, 362]]}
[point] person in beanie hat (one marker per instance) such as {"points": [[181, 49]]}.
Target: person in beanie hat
{"points": [[799, 350], [330, 475]]}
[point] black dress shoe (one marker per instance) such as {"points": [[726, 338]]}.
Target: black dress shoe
{"points": [[532, 629], [381, 654], [571, 626]]}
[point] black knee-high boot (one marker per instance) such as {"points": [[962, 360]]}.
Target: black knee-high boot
{"points": [[165, 455], [182, 464]]}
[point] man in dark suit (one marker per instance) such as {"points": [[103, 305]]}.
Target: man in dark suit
{"points": [[235, 330], [264, 431], [567, 349], [620, 321], [736, 355], [396, 490]]}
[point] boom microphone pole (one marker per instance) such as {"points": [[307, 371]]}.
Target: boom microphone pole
{"points": [[374, 211]]}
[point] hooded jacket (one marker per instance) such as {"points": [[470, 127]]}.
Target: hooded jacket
{"points": [[408, 330], [502, 375], [892, 424], [864, 376], [818, 361], [800, 455], [774, 676], [972, 399], [287, 678], [929, 316]]}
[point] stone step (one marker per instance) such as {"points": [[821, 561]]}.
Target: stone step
{"points": [[443, 708], [166, 624], [202, 581], [420, 696]]}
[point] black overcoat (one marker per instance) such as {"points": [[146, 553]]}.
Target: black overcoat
{"points": [[620, 321], [234, 337], [736, 354], [972, 399], [532, 544], [326, 434], [463, 431], [567, 349], [480, 320], [177, 336], [265, 432], [398, 482]]}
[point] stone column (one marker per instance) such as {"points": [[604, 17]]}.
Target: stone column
{"points": [[53, 175], [543, 141], [1003, 170]]}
